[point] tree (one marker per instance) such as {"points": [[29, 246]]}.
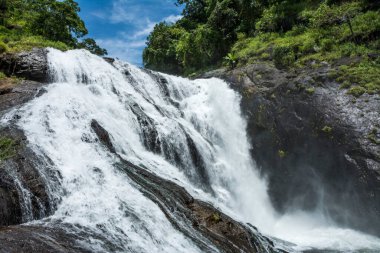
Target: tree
{"points": [[91, 46], [160, 53], [56, 20], [3, 11]]}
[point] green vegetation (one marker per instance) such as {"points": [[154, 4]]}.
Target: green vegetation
{"points": [[310, 90], [25, 24], [7, 148], [356, 91], [373, 137], [281, 153], [291, 34], [327, 129], [215, 218]]}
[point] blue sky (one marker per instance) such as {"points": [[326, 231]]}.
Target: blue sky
{"points": [[121, 26]]}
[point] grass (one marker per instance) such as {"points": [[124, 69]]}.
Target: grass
{"points": [[7, 148], [16, 40]]}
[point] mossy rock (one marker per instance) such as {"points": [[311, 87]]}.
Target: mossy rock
{"points": [[8, 148]]}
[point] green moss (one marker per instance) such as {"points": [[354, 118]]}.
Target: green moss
{"points": [[7, 148], [345, 85], [215, 218], [373, 137], [310, 90], [356, 91], [281, 153], [327, 129], [365, 75]]}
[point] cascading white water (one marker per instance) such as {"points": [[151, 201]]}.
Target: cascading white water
{"points": [[199, 142]]}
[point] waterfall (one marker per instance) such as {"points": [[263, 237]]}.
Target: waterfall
{"points": [[189, 132]]}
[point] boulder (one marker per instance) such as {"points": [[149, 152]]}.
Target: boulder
{"points": [[31, 65]]}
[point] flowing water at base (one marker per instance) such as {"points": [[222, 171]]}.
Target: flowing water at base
{"points": [[191, 132]]}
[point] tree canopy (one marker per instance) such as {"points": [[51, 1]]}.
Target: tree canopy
{"points": [[210, 30], [56, 21]]}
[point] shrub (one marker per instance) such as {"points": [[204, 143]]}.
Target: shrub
{"points": [[2, 75], [3, 47], [231, 60], [283, 57]]}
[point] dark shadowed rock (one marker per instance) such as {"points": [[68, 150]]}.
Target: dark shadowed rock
{"points": [[103, 135], [31, 65], [21, 166], [318, 145], [34, 239]]}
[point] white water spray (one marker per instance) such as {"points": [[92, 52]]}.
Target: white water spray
{"points": [[199, 142]]}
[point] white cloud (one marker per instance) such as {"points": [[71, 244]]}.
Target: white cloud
{"points": [[122, 49], [144, 32], [138, 19], [172, 18]]}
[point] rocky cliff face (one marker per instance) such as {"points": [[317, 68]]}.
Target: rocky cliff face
{"points": [[25, 193], [318, 146]]}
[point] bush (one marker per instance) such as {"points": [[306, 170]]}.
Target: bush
{"points": [[3, 47], [2, 75], [327, 45], [283, 57]]}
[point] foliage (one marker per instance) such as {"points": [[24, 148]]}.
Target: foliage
{"points": [[161, 53], [290, 33], [2, 75], [231, 60], [43, 23], [283, 56], [90, 45], [3, 47]]}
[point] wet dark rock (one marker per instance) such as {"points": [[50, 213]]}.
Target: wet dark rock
{"points": [[316, 144], [29, 65], [109, 60], [102, 135], [198, 163], [151, 138], [18, 94], [198, 220], [34, 239], [22, 166]]}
